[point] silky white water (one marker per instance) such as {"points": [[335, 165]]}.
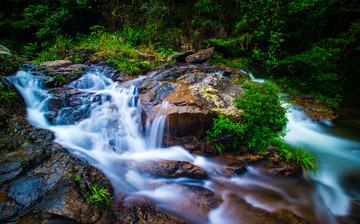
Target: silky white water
{"points": [[111, 132]]}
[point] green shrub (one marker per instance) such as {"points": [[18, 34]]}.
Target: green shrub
{"points": [[264, 116], [223, 126]]}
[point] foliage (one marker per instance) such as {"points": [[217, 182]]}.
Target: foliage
{"points": [[264, 116], [30, 50], [313, 42], [99, 196], [307, 160], [8, 62], [218, 147], [242, 63], [60, 79], [222, 127], [6, 96]]}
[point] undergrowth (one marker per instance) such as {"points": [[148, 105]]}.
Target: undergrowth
{"points": [[117, 49]]}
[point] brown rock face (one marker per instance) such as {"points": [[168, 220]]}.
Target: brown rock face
{"points": [[193, 100], [172, 169]]}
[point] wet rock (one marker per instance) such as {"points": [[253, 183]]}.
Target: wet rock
{"points": [[279, 167], [27, 190], [62, 72], [315, 109], [238, 209], [197, 202], [190, 203], [143, 211], [201, 56], [216, 92], [172, 169], [180, 57], [66, 201], [232, 167]]}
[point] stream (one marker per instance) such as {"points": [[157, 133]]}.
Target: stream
{"points": [[110, 133]]}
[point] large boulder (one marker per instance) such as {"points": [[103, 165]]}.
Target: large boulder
{"points": [[189, 100]]}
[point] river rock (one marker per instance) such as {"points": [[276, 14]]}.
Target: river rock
{"points": [[143, 211], [191, 101], [315, 109], [180, 57], [193, 204], [201, 56], [55, 65], [172, 169], [238, 209], [62, 72], [198, 204]]}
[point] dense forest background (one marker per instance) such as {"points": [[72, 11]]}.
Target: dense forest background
{"points": [[307, 46]]}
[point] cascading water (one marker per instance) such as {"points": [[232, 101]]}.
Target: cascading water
{"points": [[103, 127]]}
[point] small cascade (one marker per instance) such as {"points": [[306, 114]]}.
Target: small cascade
{"points": [[155, 130], [35, 97], [101, 124]]}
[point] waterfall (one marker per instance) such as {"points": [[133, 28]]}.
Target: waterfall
{"points": [[101, 124]]}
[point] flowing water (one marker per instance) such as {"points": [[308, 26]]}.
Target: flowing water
{"points": [[109, 134]]}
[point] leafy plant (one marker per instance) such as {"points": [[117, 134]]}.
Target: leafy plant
{"points": [[99, 195], [218, 147], [306, 159], [78, 178]]}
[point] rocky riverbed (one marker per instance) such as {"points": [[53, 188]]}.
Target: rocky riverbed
{"points": [[43, 182]]}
